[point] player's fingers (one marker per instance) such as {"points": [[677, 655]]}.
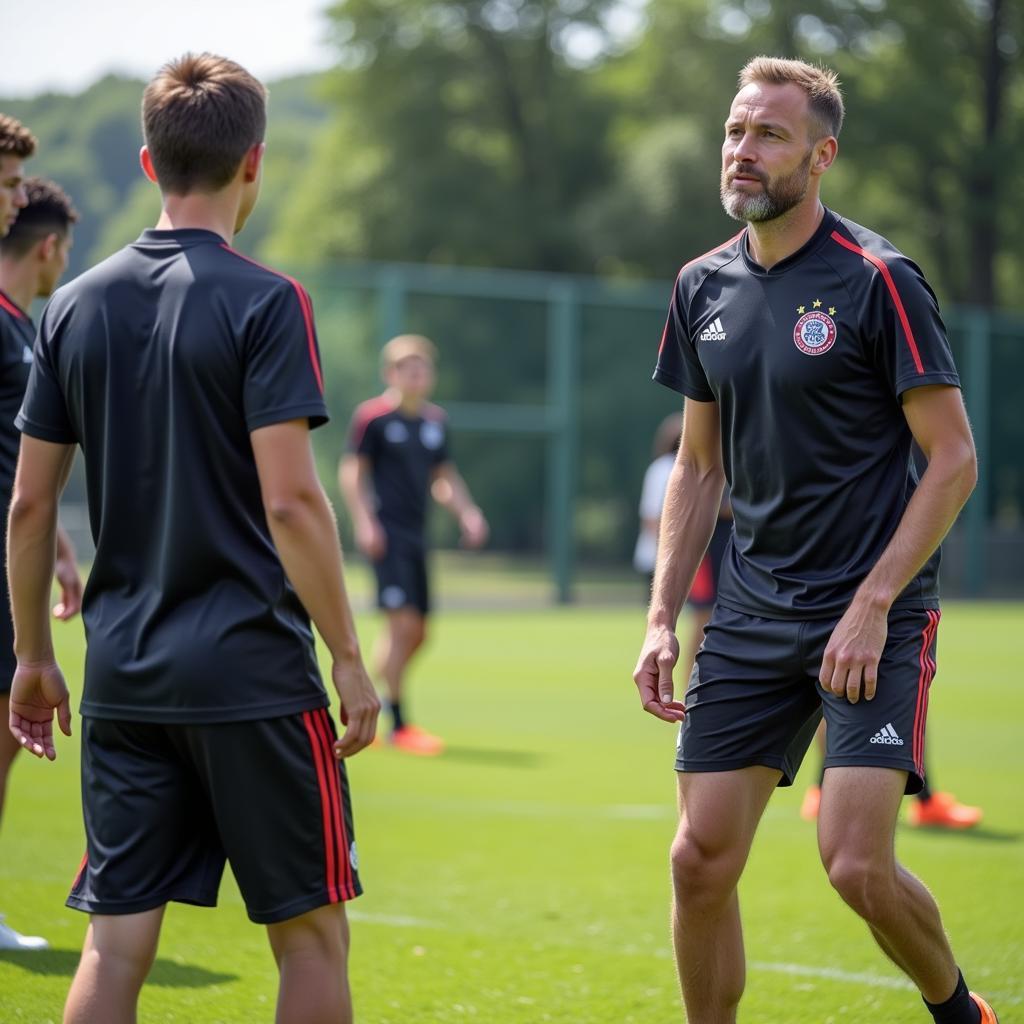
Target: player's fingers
{"points": [[870, 680], [837, 683], [666, 687], [674, 711], [853, 679], [64, 716], [828, 668], [22, 732]]}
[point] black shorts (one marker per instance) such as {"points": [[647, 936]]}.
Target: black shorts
{"points": [[402, 576], [8, 662], [166, 805], [754, 697], [704, 591]]}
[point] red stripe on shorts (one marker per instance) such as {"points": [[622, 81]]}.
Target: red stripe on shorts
{"points": [[703, 589], [924, 682], [346, 883], [81, 870], [325, 805]]}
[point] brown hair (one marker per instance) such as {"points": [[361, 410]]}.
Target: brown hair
{"points": [[821, 85], [15, 138], [200, 115], [406, 345], [49, 211]]}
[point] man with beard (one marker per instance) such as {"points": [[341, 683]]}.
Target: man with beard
{"points": [[812, 355]]}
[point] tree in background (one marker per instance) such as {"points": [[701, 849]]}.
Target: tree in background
{"points": [[463, 133]]}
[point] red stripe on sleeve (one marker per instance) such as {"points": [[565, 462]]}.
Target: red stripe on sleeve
{"points": [[893, 292], [11, 308], [325, 807], [675, 287], [304, 304]]}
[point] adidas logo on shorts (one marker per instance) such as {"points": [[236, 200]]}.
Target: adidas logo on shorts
{"points": [[887, 735]]}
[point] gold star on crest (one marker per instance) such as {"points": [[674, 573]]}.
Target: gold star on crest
{"points": [[801, 309], [831, 310], [817, 303]]}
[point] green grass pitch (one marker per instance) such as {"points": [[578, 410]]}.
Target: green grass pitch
{"points": [[523, 876]]}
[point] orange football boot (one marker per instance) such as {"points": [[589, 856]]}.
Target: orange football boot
{"points": [[812, 801], [943, 811], [414, 740], [988, 1015]]}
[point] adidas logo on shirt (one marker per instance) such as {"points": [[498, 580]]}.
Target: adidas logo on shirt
{"points": [[887, 735], [714, 331]]}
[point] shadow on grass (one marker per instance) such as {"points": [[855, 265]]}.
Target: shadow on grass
{"points": [[487, 755], [64, 962], [980, 835]]}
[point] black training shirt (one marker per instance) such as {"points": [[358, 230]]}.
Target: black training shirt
{"points": [[17, 336], [403, 451], [807, 362], [159, 362]]}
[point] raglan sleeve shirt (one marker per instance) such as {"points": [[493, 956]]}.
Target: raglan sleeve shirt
{"points": [[908, 338], [678, 366], [282, 379]]}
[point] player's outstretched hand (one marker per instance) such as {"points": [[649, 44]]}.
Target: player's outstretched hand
{"points": [[36, 692], [474, 528], [849, 667], [653, 675], [66, 573], [360, 707]]}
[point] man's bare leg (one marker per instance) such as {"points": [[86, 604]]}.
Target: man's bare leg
{"points": [[402, 636], [719, 813], [856, 830], [9, 747], [118, 953], [311, 951]]}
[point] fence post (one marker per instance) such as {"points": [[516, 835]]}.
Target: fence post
{"points": [[979, 362], [390, 303], [563, 410]]}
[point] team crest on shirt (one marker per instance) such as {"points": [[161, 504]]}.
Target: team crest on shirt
{"points": [[815, 332], [396, 432]]}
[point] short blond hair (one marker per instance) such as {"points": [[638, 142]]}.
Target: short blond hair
{"points": [[406, 345], [821, 85]]}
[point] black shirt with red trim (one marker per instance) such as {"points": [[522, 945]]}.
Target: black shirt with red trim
{"points": [[159, 363], [808, 362], [17, 337], [403, 450]]}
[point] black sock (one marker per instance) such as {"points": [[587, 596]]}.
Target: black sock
{"points": [[959, 1008], [925, 793], [396, 715]]}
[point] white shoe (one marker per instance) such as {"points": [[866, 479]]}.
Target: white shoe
{"points": [[10, 939]]}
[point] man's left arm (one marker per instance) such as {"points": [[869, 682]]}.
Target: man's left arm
{"points": [[938, 421], [450, 492], [38, 688]]}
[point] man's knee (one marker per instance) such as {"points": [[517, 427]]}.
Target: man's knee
{"points": [[703, 872], [865, 883], [408, 632], [322, 933], [124, 947]]}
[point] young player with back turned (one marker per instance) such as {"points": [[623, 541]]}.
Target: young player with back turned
{"points": [[190, 377]]}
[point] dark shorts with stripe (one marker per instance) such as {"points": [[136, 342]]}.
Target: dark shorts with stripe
{"points": [[754, 697], [402, 576], [166, 805], [704, 591]]}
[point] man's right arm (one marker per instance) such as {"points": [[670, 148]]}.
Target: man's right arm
{"points": [[306, 537], [354, 481], [688, 519]]}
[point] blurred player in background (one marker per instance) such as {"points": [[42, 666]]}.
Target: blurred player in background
{"points": [[397, 457], [704, 591], [33, 255], [190, 376], [812, 355]]}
